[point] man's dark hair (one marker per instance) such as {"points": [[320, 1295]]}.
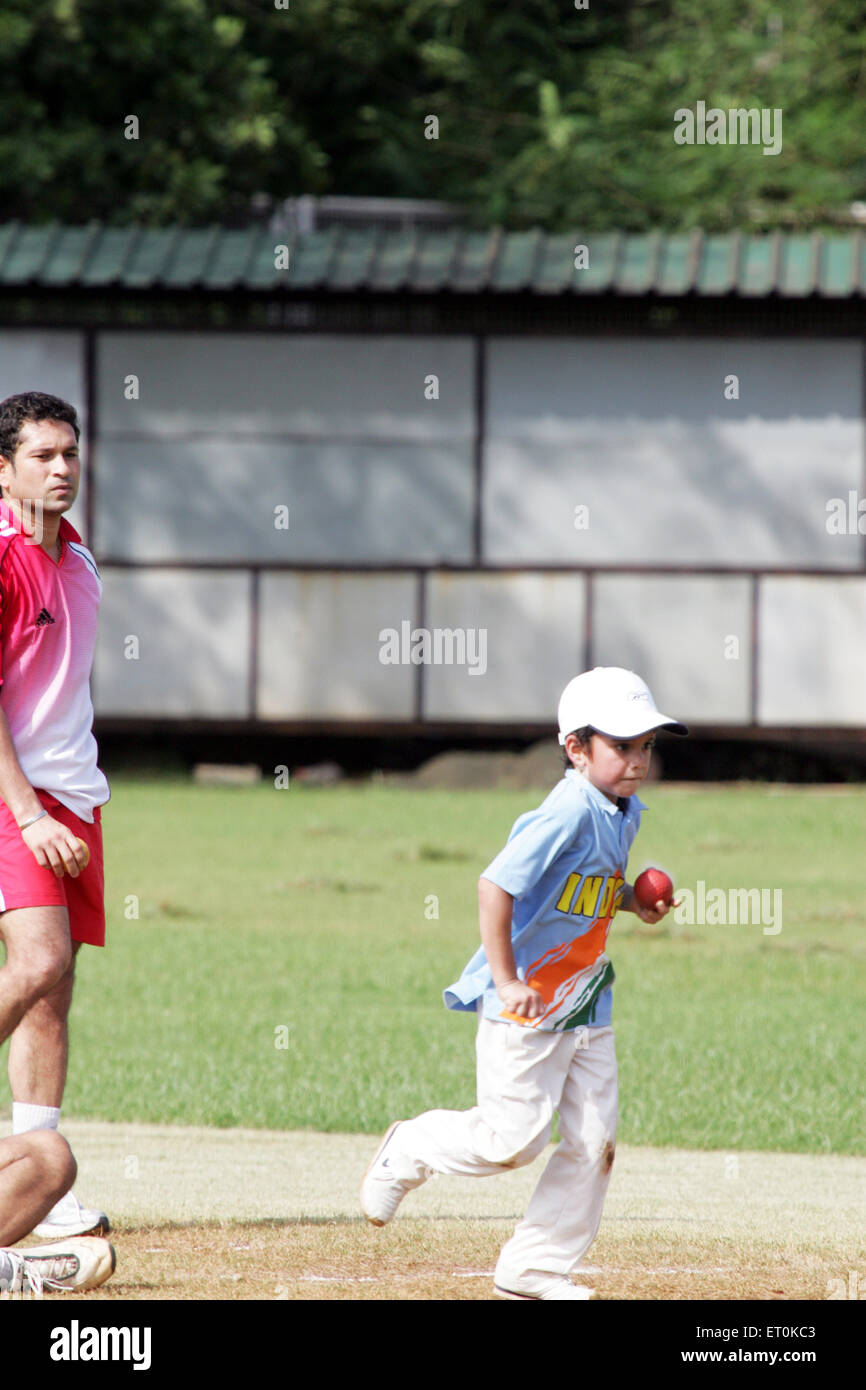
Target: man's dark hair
{"points": [[31, 407], [584, 738]]}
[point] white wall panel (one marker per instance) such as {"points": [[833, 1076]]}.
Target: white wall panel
{"points": [[206, 499], [226, 428], [193, 640], [328, 386], [53, 362], [532, 643], [688, 636], [812, 667], [319, 646], [640, 434]]}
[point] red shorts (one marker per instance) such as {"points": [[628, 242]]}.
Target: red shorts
{"points": [[24, 883]]}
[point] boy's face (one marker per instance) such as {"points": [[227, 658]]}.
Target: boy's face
{"points": [[615, 766]]}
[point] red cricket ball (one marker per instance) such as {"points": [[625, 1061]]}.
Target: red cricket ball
{"points": [[651, 885]]}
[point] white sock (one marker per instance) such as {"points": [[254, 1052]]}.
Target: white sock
{"points": [[26, 1117], [6, 1270]]}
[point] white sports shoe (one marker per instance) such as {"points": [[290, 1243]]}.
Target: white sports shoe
{"points": [[391, 1174], [82, 1263], [69, 1218], [541, 1284]]}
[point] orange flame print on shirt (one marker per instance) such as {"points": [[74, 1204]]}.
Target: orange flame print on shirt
{"points": [[562, 963]]}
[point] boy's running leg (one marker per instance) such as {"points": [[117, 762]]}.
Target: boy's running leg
{"points": [[520, 1074], [564, 1213]]}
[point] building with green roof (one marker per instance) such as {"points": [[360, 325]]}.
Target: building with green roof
{"points": [[641, 450]]}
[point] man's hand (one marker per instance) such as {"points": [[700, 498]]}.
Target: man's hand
{"points": [[521, 999], [55, 847]]}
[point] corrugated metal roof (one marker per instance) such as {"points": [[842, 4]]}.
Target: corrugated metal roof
{"points": [[426, 260]]}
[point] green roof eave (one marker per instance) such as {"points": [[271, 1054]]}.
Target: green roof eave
{"points": [[413, 260]]}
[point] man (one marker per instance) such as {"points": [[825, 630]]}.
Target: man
{"points": [[51, 898], [35, 1170]]}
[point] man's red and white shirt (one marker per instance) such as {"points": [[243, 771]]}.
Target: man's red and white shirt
{"points": [[48, 622]]}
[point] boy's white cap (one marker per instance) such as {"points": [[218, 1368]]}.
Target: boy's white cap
{"points": [[613, 701]]}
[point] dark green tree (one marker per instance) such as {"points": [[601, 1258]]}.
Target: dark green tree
{"points": [[547, 114], [75, 70]]}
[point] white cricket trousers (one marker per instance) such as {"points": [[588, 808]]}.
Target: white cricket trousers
{"points": [[524, 1075]]}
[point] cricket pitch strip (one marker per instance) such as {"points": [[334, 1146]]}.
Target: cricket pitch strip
{"points": [[265, 1215]]}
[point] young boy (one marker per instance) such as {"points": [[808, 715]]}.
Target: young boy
{"points": [[541, 985]]}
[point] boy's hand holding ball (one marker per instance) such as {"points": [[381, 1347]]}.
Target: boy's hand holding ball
{"points": [[653, 895]]}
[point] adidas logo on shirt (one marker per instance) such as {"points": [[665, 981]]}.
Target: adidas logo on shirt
{"points": [[44, 617]]}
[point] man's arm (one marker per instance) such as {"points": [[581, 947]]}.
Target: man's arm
{"points": [[54, 846], [495, 907]]}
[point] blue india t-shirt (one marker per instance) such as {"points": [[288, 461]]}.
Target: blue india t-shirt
{"points": [[565, 866]]}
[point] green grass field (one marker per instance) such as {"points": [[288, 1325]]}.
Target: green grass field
{"points": [[304, 917]]}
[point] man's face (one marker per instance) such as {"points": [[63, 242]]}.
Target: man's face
{"points": [[46, 467], [615, 766]]}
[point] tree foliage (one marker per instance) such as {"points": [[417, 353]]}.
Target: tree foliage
{"points": [[547, 114]]}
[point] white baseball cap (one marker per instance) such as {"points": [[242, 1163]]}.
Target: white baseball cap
{"points": [[614, 701]]}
